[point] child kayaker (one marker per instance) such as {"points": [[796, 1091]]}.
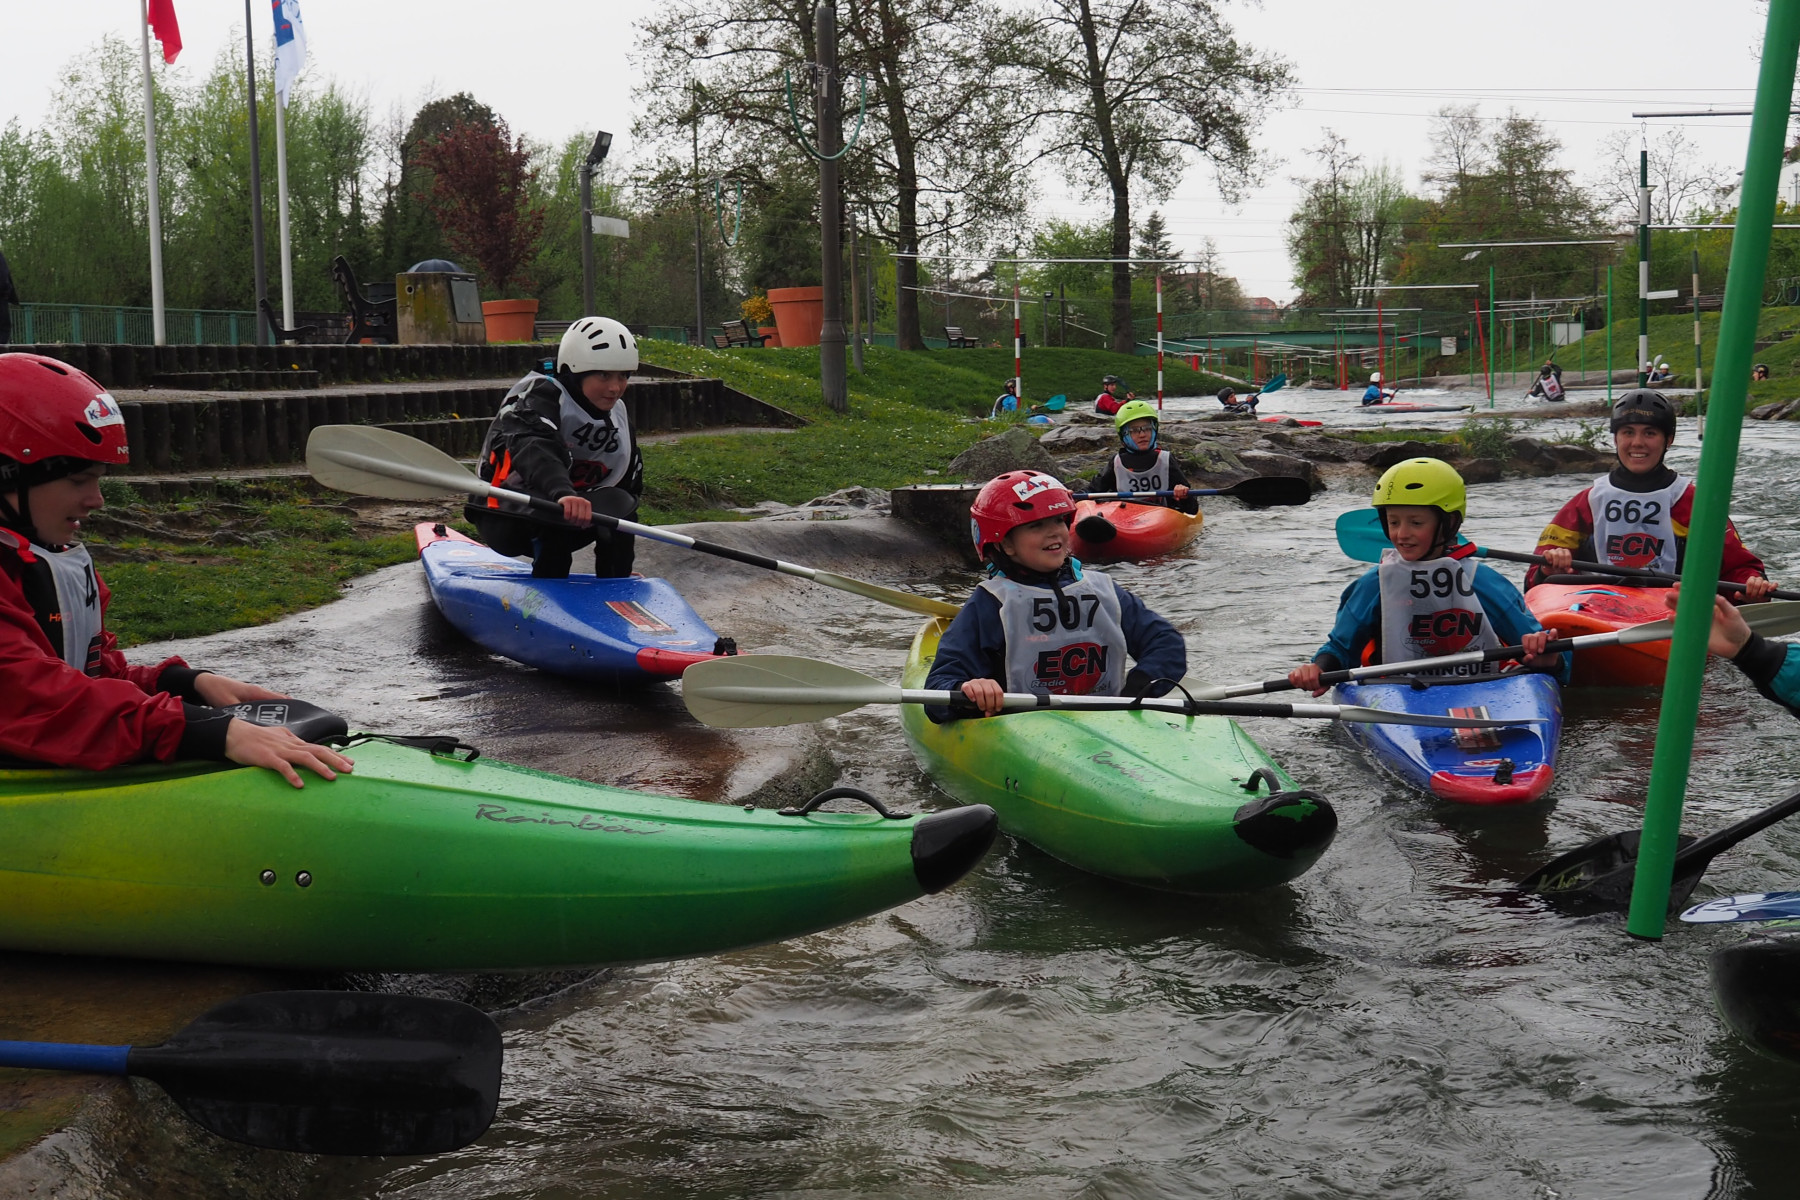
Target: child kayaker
{"points": [[1229, 401], [1108, 401], [1139, 466], [1006, 402], [1373, 394], [1637, 514], [68, 698], [1428, 596], [1774, 667], [1548, 385], [1040, 622], [565, 437]]}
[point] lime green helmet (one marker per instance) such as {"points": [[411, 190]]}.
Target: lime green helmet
{"points": [[1136, 410], [1431, 482]]}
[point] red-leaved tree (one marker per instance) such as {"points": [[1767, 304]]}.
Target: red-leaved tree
{"points": [[481, 197]]}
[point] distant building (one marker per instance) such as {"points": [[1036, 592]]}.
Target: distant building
{"points": [[1261, 304]]}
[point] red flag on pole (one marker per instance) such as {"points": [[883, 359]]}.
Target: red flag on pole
{"points": [[164, 26]]}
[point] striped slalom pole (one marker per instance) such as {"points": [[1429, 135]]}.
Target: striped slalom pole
{"points": [[1018, 371], [1159, 343]]}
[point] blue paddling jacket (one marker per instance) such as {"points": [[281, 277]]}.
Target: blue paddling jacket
{"points": [[1359, 619], [1373, 394], [1774, 667]]}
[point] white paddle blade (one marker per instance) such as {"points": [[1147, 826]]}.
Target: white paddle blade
{"points": [[1774, 619], [755, 691], [1382, 716], [886, 595], [368, 461]]}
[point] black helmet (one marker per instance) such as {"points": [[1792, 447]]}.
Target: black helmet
{"points": [[1110, 379], [1644, 407], [1546, 371], [1226, 393]]}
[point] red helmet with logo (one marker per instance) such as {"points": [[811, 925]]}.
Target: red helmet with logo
{"points": [[1016, 498], [54, 420]]}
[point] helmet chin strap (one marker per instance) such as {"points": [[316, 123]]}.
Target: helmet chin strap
{"points": [[1447, 527]]}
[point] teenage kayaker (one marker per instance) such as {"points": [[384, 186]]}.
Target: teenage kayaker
{"points": [[1006, 402], [68, 698], [1774, 667], [1140, 466], [1041, 622], [1428, 596], [1637, 514], [1108, 401], [1548, 385], [565, 437], [1373, 393], [1759, 372], [1228, 400]]}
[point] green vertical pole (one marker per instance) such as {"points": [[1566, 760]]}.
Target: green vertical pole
{"points": [[1718, 467], [1492, 333], [1609, 335], [1643, 268]]}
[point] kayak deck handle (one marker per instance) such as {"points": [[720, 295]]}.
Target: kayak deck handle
{"points": [[1261, 776], [843, 793]]}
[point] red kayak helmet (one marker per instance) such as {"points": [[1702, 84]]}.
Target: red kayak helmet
{"points": [[54, 420], [1016, 498]]}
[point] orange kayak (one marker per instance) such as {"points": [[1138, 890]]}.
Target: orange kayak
{"points": [[1137, 530], [1573, 609]]}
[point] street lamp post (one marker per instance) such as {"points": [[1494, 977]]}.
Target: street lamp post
{"points": [[595, 156]]}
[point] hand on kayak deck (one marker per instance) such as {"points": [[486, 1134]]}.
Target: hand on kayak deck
{"points": [[1729, 633], [985, 694], [1306, 677], [280, 749], [577, 509], [1559, 561], [222, 691]]}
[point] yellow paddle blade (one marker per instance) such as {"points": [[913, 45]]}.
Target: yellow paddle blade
{"points": [[886, 595], [367, 461], [753, 691]]}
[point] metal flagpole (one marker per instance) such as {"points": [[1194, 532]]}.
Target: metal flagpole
{"points": [[281, 208], [158, 327], [256, 216]]}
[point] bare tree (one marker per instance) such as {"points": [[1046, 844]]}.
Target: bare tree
{"points": [[1680, 178], [1126, 91], [1459, 146]]}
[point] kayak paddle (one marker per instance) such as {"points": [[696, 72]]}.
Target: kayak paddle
{"points": [[1751, 907], [756, 690], [369, 461], [1055, 403], [1600, 874], [1259, 490], [1771, 620], [1361, 536], [316, 1072], [1274, 385]]}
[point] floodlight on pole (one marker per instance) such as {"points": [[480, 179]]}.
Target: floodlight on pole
{"points": [[595, 156]]}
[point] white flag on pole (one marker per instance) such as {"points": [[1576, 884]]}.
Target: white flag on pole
{"points": [[290, 45]]}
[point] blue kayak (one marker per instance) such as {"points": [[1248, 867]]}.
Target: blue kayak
{"points": [[613, 631], [1470, 766]]}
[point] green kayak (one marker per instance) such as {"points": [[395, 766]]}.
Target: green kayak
{"points": [[1183, 804], [426, 862]]}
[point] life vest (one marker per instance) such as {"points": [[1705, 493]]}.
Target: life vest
{"points": [[64, 595], [1430, 608], [599, 447], [1634, 529], [1005, 402], [1553, 388], [1153, 478], [1067, 643]]}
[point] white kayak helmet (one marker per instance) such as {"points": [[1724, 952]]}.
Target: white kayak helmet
{"points": [[1375, 377], [597, 344]]}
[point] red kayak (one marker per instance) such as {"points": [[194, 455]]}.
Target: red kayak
{"points": [[1573, 609], [1109, 530], [1408, 407], [1278, 417]]}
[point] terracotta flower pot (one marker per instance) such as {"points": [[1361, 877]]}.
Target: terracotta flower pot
{"points": [[772, 334], [509, 320], [799, 314]]}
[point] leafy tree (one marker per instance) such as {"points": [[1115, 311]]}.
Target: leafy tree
{"points": [[1152, 244], [483, 196], [1127, 90]]}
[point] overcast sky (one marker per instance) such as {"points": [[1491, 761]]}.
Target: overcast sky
{"points": [[1373, 70]]}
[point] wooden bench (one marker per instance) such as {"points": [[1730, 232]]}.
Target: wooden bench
{"points": [[298, 333], [376, 320], [954, 335], [737, 333]]}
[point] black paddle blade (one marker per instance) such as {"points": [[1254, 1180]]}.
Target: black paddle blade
{"points": [[1599, 875], [1757, 986], [334, 1072], [1270, 490], [1095, 529]]}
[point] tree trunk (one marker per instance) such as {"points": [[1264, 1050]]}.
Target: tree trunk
{"points": [[906, 270], [1123, 335]]}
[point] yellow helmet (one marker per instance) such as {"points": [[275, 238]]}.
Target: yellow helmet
{"points": [[1428, 481]]}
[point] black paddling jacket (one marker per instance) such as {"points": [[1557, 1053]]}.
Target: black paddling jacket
{"points": [[526, 439]]}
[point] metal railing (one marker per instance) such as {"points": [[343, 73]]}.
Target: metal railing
{"points": [[122, 324]]}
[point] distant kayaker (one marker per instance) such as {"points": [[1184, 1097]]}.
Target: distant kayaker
{"points": [[1108, 401], [1007, 401], [1658, 372], [1428, 596], [1548, 384], [1637, 514], [1774, 667], [1373, 394], [68, 698], [1041, 622], [1759, 372], [1229, 401], [1553, 367], [565, 437], [1140, 466]]}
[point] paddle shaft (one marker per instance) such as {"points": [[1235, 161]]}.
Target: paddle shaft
{"points": [[1594, 568], [1693, 859], [1468, 657], [65, 1056]]}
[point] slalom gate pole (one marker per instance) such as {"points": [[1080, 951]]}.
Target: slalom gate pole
{"points": [[1718, 468], [1018, 357], [1159, 343], [1699, 384]]}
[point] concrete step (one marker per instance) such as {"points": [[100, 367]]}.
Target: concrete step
{"points": [[236, 381], [125, 366]]}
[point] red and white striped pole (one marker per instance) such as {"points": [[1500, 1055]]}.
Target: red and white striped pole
{"points": [[1018, 372], [1159, 343]]}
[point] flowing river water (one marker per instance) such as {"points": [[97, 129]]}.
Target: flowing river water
{"points": [[1384, 1026]]}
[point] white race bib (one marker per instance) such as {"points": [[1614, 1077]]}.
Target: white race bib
{"points": [[1634, 529], [1067, 645], [1429, 608]]}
